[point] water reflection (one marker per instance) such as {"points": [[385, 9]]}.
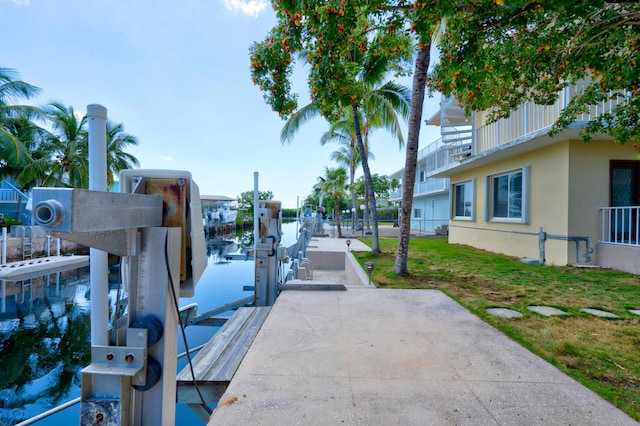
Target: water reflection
{"points": [[44, 330]]}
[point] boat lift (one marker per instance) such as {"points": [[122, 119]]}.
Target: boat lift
{"points": [[157, 224]]}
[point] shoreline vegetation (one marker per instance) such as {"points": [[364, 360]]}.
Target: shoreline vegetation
{"points": [[601, 353]]}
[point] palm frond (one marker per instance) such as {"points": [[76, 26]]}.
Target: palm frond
{"points": [[12, 151], [297, 119], [13, 89]]}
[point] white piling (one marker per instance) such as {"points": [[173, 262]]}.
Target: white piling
{"points": [[256, 203], [98, 260], [4, 246]]}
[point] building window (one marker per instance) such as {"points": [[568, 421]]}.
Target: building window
{"points": [[417, 213], [507, 196], [422, 176], [463, 207]]}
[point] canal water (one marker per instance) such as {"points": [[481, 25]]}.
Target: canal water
{"points": [[45, 309]]}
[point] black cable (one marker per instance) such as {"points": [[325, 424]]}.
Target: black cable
{"points": [[117, 316], [182, 327]]}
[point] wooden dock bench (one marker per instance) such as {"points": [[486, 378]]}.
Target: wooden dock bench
{"points": [[217, 362]]}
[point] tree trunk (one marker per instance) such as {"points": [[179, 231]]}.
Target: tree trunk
{"points": [[352, 178], [408, 182], [336, 213], [365, 212], [368, 182]]}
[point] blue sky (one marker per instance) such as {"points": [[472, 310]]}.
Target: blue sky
{"points": [[176, 74]]}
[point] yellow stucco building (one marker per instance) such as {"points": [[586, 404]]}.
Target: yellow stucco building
{"points": [[515, 190]]}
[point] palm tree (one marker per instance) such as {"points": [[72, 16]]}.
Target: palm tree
{"points": [[117, 158], [17, 131], [68, 146], [333, 184], [381, 107], [411, 159], [343, 133], [347, 155]]}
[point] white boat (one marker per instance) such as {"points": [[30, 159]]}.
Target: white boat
{"points": [[218, 209]]}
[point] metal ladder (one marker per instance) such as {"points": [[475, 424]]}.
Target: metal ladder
{"points": [[27, 240]]}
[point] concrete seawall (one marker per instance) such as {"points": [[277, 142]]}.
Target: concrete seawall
{"points": [[334, 263], [39, 245]]}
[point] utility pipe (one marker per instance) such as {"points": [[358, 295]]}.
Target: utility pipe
{"points": [[98, 260], [4, 246]]}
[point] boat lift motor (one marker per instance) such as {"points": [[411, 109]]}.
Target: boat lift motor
{"points": [[269, 214], [157, 222]]}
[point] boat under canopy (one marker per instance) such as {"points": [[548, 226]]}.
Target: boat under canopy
{"points": [[218, 209]]}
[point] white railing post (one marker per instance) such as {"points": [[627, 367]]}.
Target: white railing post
{"points": [[621, 225], [99, 269], [4, 247]]}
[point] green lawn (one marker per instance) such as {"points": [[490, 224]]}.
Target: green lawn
{"points": [[603, 354]]}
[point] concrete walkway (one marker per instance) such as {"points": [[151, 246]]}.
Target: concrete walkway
{"points": [[370, 356]]}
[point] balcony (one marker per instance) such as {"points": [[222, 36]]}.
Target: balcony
{"points": [[8, 196], [431, 157], [467, 142]]}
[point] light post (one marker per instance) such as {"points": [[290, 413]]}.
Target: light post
{"points": [[369, 266], [362, 208], [353, 221]]}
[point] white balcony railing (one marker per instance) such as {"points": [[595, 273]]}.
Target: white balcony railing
{"points": [[530, 118], [621, 225], [8, 196]]}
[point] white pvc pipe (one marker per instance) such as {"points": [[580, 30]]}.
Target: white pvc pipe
{"points": [[98, 260], [297, 214], [4, 246], [256, 227]]}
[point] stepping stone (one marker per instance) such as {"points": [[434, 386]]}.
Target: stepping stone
{"points": [[599, 313], [547, 311], [635, 311], [504, 313]]}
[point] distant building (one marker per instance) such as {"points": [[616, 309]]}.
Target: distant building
{"points": [[430, 195], [13, 202]]}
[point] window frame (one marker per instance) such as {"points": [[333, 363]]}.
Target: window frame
{"points": [[489, 205], [454, 200]]}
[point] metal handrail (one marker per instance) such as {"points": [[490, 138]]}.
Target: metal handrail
{"points": [[621, 225], [48, 413]]}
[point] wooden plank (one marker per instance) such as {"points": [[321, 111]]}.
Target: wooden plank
{"points": [[226, 366], [215, 347], [218, 361]]}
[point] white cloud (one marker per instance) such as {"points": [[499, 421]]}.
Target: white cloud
{"points": [[247, 7], [19, 2], [166, 158]]}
